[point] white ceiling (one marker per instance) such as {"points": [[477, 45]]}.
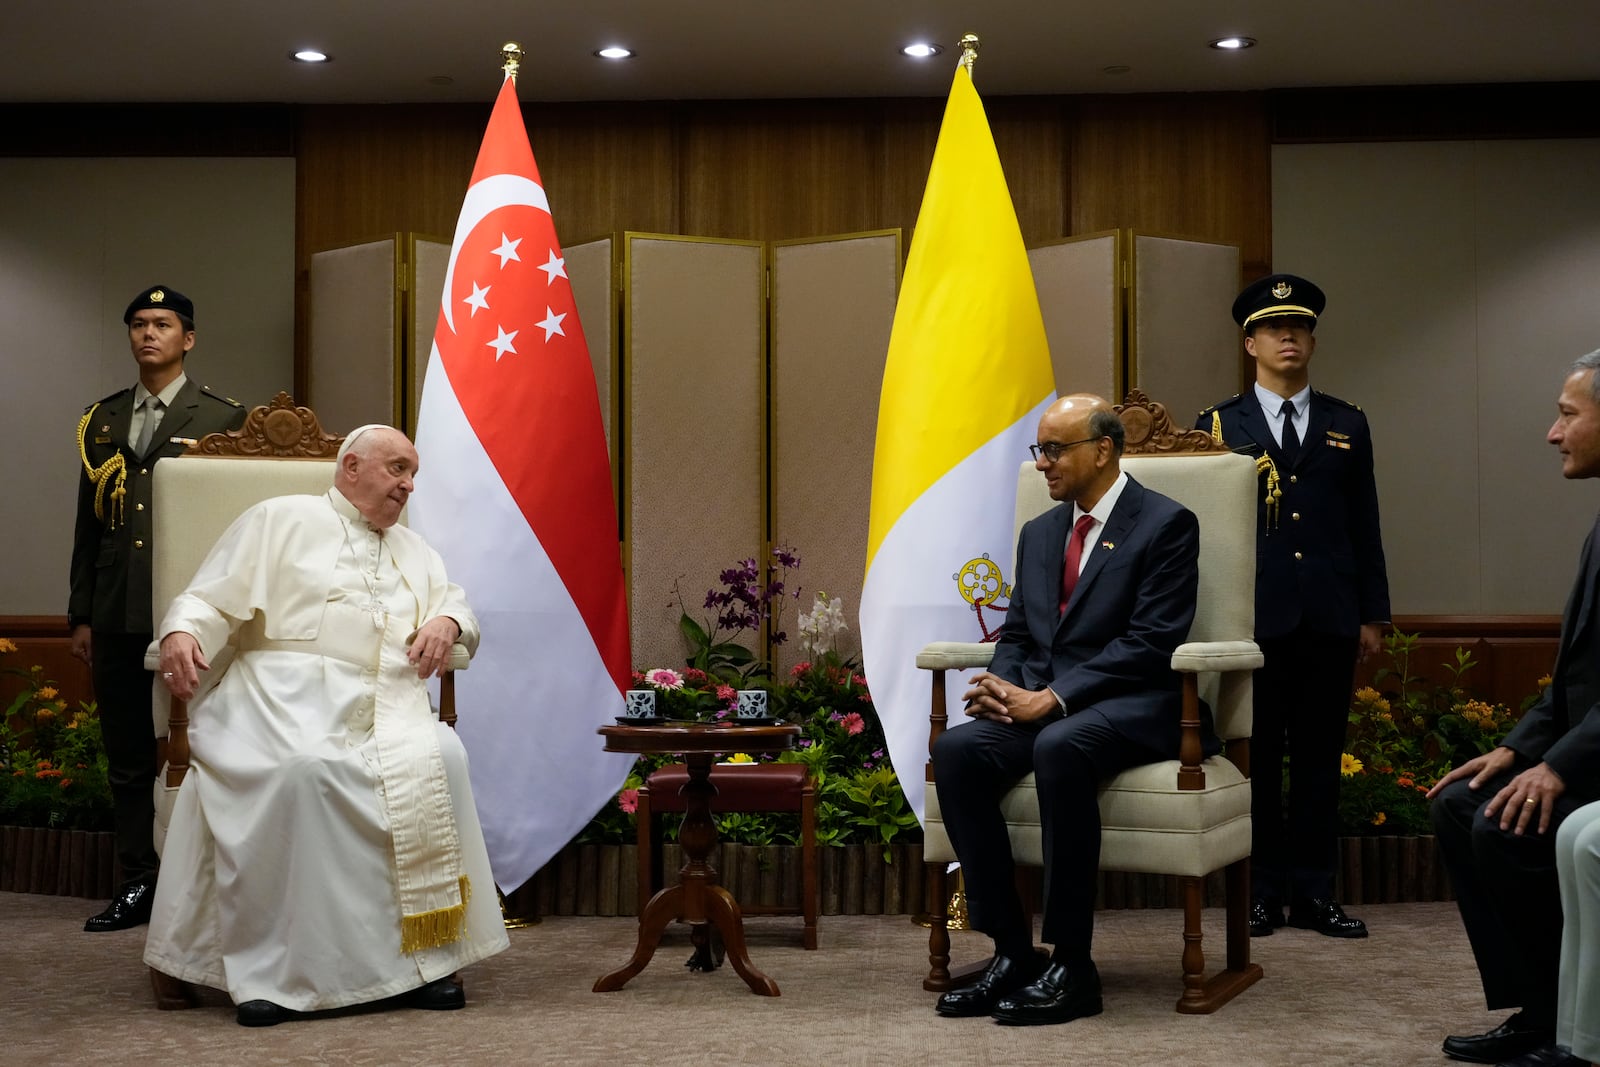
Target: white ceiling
{"points": [[398, 50]]}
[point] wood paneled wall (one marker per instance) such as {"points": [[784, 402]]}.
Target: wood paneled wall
{"points": [[1193, 165]]}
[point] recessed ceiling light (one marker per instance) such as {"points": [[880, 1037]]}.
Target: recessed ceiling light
{"points": [[441, 79], [309, 55], [1233, 44], [615, 51], [1116, 68], [922, 49]]}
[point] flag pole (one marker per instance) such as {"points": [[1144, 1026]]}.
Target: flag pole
{"points": [[511, 53]]}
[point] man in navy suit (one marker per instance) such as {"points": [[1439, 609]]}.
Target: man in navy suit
{"points": [[1497, 815], [1080, 687], [1322, 599]]}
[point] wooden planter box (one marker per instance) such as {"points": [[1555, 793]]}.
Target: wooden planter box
{"points": [[854, 880], [71, 863]]}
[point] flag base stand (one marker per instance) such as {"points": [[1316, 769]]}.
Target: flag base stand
{"points": [[955, 911], [515, 922]]}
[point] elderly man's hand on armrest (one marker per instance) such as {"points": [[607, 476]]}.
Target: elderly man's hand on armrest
{"points": [[430, 649], [181, 663]]}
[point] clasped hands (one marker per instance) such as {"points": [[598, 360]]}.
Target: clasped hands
{"points": [[992, 697], [1531, 794], [182, 661]]}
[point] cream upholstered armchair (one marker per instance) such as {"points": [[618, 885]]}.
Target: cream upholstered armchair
{"points": [[1185, 817], [281, 449]]}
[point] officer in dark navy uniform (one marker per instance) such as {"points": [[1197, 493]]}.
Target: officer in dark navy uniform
{"points": [[120, 439], [1322, 598]]}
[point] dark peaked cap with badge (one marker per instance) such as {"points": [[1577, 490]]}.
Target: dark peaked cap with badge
{"points": [[1277, 295], [162, 298]]}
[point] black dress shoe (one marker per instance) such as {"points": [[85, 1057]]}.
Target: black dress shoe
{"points": [[1057, 997], [1265, 918], [1325, 917], [1549, 1056], [1003, 975], [441, 994], [261, 1013], [1515, 1037], [129, 908]]}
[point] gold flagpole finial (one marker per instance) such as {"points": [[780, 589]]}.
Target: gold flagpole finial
{"points": [[969, 51], [512, 51]]}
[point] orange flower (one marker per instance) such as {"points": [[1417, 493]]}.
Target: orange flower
{"points": [[1379, 819], [47, 693], [7, 645]]}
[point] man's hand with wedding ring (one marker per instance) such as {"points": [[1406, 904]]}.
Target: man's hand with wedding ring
{"points": [[1533, 792]]}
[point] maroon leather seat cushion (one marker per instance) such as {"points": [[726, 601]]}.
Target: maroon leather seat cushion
{"points": [[740, 786]]}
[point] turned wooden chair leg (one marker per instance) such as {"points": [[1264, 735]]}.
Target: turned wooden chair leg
{"points": [[173, 994], [938, 979]]}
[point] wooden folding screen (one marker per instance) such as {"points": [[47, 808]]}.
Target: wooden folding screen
{"points": [[831, 307], [1124, 309]]}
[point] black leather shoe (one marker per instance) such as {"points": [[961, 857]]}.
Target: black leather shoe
{"points": [[1003, 975], [129, 908], [441, 994], [1057, 997], [1512, 1038], [1325, 917], [1549, 1056], [261, 1013], [1265, 918]]}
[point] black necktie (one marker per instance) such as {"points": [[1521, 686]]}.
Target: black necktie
{"points": [[1291, 440]]}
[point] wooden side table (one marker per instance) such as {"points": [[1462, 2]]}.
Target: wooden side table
{"points": [[697, 899]]}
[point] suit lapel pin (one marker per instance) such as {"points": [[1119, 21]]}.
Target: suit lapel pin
{"points": [[1107, 545]]}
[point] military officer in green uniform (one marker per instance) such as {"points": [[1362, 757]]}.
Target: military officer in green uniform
{"points": [[1322, 598], [120, 439]]}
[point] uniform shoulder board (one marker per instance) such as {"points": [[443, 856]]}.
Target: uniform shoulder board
{"points": [[1232, 400], [206, 390], [1335, 400], [106, 399]]}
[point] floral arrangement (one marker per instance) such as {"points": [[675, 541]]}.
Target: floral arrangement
{"points": [[52, 761], [1405, 735], [858, 796], [750, 595], [688, 694]]}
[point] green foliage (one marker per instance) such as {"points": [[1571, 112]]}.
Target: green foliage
{"points": [[52, 762], [1404, 734], [858, 797]]}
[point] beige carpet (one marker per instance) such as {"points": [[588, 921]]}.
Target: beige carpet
{"points": [[79, 998]]}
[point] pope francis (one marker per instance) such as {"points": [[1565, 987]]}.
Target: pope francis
{"points": [[324, 849]]}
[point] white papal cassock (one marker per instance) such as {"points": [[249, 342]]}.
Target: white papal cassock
{"points": [[326, 817]]}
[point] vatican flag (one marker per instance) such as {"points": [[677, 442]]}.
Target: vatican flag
{"points": [[967, 378]]}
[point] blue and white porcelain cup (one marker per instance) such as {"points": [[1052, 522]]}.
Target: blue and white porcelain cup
{"points": [[641, 704], [753, 704]]}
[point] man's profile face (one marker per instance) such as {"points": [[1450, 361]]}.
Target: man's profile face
{"points": [[380, 482], [158, 339], [1576, 431], [1068, 476], [1282, 346]]}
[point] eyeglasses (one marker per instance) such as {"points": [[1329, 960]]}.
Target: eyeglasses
{"points": [[1052, 451]]}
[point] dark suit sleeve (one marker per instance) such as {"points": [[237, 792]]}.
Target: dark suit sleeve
{"points": [[1011, 650], [1366, 538], [1163, 611]]}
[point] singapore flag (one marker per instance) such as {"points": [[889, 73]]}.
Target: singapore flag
{"points": [[515, 492]]}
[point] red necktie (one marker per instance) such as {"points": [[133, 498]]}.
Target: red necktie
{"points": [[1069, 575]]}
